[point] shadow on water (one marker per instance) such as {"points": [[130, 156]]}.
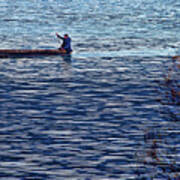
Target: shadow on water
{"points": [[94, 115], [67, 58], [159, 149], [84, 121], [171, 88], [158, 153], [158, 161]]}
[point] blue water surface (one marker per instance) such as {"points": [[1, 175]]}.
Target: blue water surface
{"points": [[110, 111]]}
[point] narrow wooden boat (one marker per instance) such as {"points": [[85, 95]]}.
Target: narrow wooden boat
{"points": [[6, 53], [176, 58]]}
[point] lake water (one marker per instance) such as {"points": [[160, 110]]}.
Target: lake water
{"points": [[110, 111]]}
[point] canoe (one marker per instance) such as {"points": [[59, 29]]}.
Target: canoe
{"points": [[6, 53], [176, 58]]}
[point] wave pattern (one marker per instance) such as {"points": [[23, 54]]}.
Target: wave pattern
{"points": [[107, 112]]}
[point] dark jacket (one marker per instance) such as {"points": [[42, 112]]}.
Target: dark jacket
{"points": [[66, 43]]}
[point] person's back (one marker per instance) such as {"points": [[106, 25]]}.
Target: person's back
{"points": [[66, 42]]}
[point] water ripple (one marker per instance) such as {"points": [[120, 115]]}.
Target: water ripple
{"points": [[109, 112]]}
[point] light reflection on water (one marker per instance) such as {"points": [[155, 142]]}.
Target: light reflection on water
{"points": [[105, 112]]}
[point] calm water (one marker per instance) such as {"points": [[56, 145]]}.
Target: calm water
{"points": [[108, 112]]}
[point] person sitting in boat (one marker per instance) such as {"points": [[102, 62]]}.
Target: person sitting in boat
{"points": [[66, 45]]}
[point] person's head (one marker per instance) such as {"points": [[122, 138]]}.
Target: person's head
{"points": [[65, 35]]}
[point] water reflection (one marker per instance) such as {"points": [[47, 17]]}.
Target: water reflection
{"points": [[67, 58], [171, 89], [84, 116], [172, 80], [158, 161], [94, 115]]}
